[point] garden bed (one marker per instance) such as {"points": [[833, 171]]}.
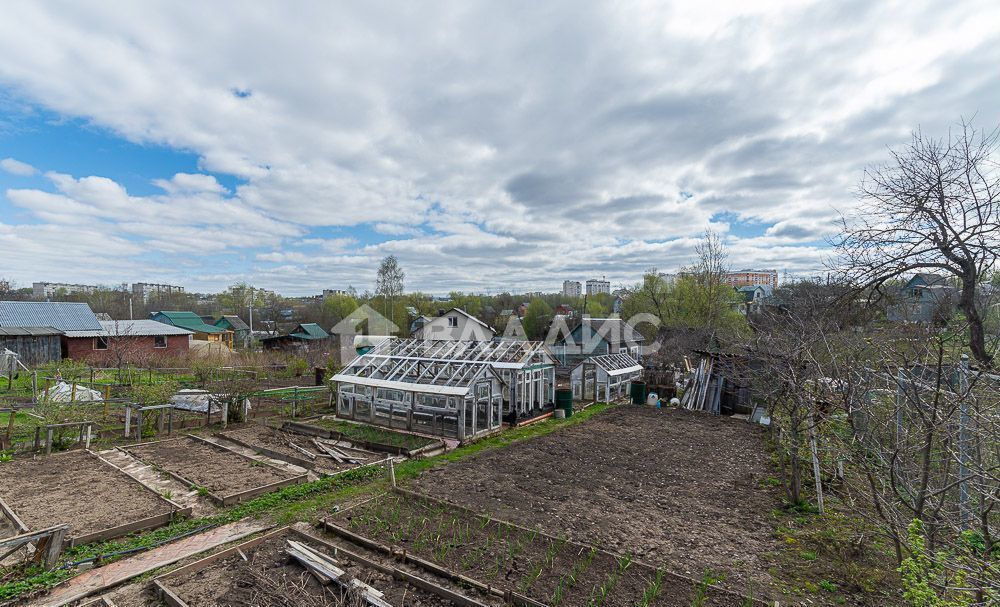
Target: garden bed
{"points": [[540, 567], [275, 443], [260, 572], [364, 435], [688, 491], [223, 475], [78, 488]]}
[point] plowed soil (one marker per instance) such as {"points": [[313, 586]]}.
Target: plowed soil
{"points": [[221, 472], [75, 488], [277, 441], [673, 488], [269, 577]]}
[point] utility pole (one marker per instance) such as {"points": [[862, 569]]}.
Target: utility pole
{"points": [[251, 314]]}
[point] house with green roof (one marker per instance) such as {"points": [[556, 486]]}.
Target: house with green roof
{"points": [[240, 329], [304, 336], [194, 323]]}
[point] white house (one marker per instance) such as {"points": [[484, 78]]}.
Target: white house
{"points": [[455, 325]]}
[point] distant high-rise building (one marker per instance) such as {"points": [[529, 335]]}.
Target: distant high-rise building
{"points": [[142, 291], [747, 278], [572, 288], [595, 286], [52, 289]]}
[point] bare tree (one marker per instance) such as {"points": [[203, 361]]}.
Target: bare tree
{"points": [[934, 206]]}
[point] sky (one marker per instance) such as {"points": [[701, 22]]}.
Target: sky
{"points": [[490, 146]]}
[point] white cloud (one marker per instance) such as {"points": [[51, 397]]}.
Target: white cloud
{"points": [[495, 145], [16, 167]]}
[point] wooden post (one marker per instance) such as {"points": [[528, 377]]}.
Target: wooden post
{"points": [[392, 472], [34, 386], [225, 414], [815, 462], [10, 426], [86, 437], [170, 421], [38, 437], [128, 420], [48, 440], [55, 546]]}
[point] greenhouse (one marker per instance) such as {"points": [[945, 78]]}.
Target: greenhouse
{"points": [[604, 378], [526, 368], [452, 398]]}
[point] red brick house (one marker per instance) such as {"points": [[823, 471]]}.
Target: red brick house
{"points": [[126, 340]]}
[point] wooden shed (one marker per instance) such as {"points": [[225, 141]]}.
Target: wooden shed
{"points": [[33, 345]]}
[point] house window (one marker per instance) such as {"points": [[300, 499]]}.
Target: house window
{"points": [[452, 321], [160, 341], [101, 343]]}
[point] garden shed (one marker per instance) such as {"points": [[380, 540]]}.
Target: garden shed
{"points": [[33, 345], [396, 387], [604, 378], [527, 368]]}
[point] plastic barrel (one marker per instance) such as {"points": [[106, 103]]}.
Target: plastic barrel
{"points": [[564, 400], [637, 390]]}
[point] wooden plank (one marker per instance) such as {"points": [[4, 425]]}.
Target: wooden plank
{"points": [[301, 450], [291, 459], [110, 533], [10, 514], [236, 498], [441, 591], [178, 509], [330, 452]]}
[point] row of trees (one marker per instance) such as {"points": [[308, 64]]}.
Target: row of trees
{"points": [[904, 419]]}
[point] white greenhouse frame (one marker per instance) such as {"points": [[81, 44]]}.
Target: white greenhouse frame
{"points": [[527, 368], [604, 378], [446, 388]]}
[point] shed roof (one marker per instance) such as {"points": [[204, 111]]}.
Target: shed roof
{"points": [[28, 331], [608, 328], [186, 320], [142, 327], [309, 330], [65, 316], [232, 321]]}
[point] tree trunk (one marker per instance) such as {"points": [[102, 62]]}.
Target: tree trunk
{"points": [[977, 334]]}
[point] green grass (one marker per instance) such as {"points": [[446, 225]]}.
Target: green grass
{"points": [[305, 502]]}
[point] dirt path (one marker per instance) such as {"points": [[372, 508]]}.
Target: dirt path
{"points": [[162, 483], [671, 487]]}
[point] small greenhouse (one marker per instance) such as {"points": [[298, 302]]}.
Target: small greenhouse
{"points": [[604, 378], [445, 397], [526, 368]]}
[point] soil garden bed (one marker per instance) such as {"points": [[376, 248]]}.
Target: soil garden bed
{"points": [[546, 569], [364, 435], [225, 476], [261, 573], [97, 500], [274, 443], [682, 490]]}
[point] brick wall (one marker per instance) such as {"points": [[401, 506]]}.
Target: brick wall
{"points": [[82, 348]]}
